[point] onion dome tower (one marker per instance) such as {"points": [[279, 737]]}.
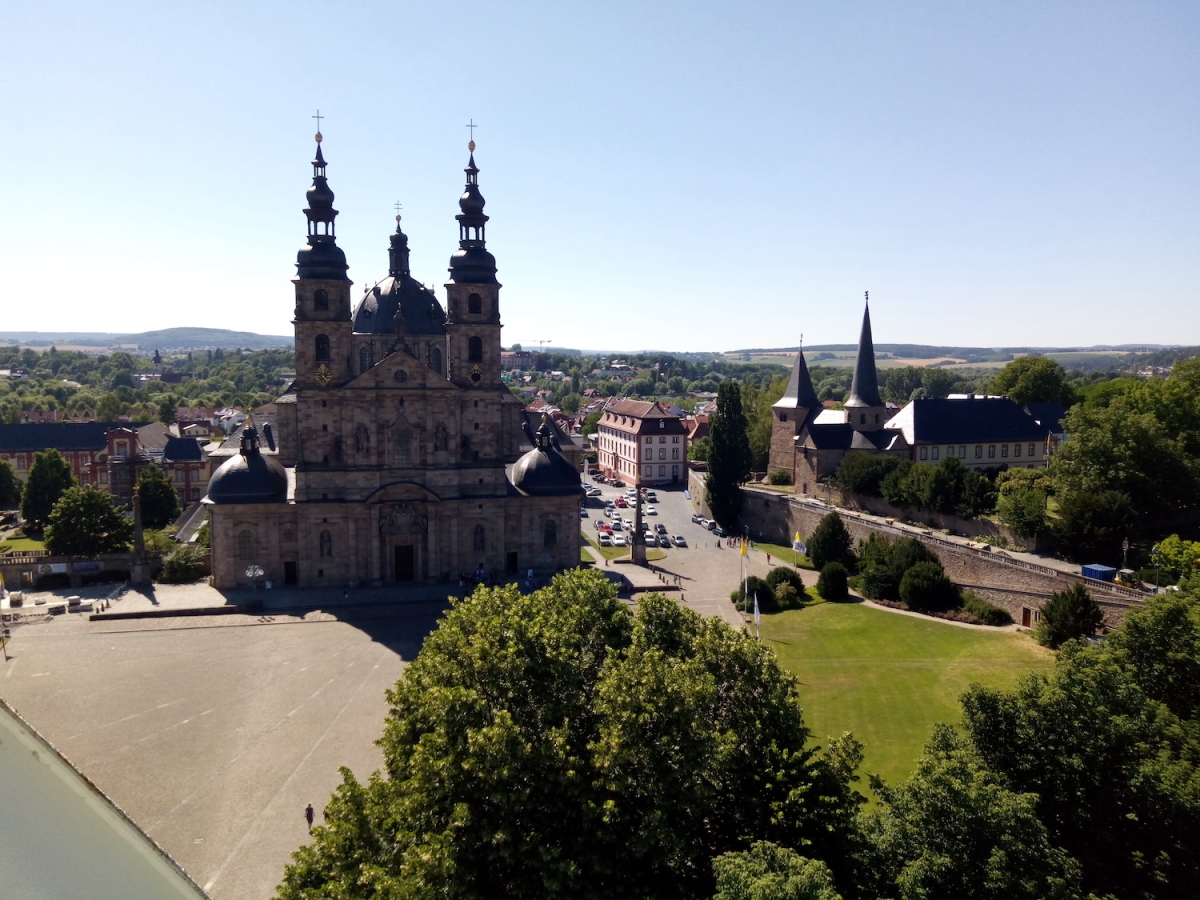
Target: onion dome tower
{"points": [[543, 471], [473, 294], [322, 322], [249, 477], [865, 410]]}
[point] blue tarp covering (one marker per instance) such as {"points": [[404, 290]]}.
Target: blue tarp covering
{"points": [[1099, 572]]}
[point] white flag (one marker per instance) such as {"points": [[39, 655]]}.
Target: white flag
{"points": [[756, 614]]}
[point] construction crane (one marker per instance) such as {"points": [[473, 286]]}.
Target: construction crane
{"points": [[542, 344]]}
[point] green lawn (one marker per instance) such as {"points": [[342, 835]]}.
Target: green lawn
{"points": [[21, 543], [781, 555], [888, 678]]}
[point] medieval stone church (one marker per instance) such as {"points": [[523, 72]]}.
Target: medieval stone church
{"points": [[399, 455]]}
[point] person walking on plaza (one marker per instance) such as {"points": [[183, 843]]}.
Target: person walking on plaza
{"points": [[308, 817]]}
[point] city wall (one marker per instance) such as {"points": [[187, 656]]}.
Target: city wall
{"points": [[1019, 587]]}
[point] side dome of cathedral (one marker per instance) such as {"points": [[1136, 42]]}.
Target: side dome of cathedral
{"points": [[543, 471], [248, 477]]}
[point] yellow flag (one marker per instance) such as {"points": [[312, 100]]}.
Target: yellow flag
{"points": [[743, 546], [797, 538]]}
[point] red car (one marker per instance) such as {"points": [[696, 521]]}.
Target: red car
{"points": [[606, 528], [621, 502]]}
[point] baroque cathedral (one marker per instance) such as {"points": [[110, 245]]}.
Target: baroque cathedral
{"points": [[399, 454]]}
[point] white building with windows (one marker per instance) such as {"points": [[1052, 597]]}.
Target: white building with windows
{"points": [[642, 444], [983, 432]]}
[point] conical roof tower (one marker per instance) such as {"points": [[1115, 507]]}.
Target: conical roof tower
{"points": [[864, 390], [799, 393]]}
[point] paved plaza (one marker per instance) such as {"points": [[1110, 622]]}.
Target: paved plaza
{"points": [[213, 732]]}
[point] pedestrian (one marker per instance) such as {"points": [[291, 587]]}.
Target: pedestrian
{"points": [[768, 559], [308, 817]]}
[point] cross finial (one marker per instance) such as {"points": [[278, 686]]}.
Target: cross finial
{"points": [[471, 125], [318, 117], [866, 296], [399, 206]]}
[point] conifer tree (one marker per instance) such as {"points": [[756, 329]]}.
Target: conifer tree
{"points": [[160, 505], [729, 458]]}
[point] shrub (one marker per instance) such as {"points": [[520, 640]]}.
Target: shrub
{"points": [[756, 587], [830, 542], [785, 574], [184, 564], [1023, 510], [779, 476], [832, 583], [982, 612], [787, 597], [926, 587], [1066, 615]]}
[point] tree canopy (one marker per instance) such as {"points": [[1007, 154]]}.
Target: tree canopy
{"points": [[49, 476], [729, 457], [1033, 379], [85, 523], [160, 504], [553, 745], [10, 486]]}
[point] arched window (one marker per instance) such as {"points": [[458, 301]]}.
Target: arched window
{"points": [[246, 545], [364, 359], [321, 300], [550, 536], [435, 359], [474, 304], [322, 348], [475, 350], [480, 538]]}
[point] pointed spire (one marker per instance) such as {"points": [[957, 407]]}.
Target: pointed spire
{"points": [[799, 393], [322, 258], [471, 263], [864, 390]]}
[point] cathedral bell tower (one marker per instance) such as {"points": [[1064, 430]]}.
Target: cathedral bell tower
{"points": [[865, 410], [473, 295], [322, 322]]}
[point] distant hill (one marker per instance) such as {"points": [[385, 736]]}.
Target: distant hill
{"points": [[164, 339]]}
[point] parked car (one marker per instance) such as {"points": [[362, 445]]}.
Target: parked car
{"points": [[608, 511], [618, 540], [650, 511], [697, 518], [623, 503], [583, 513], [606, 540], [680, 540], [664, 541], [605, 528], [651, 496], [598, 477], [617, 525], [709, 524], [720, 532], [660, 528]]}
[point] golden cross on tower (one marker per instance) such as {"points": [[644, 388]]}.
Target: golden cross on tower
{"points": [[471, 125]]}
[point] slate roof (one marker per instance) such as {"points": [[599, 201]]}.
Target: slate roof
{"points": [[644, 418], [977, 420], [182, 449], [55, 435], [799, 393], [1048, 415], [842, 436], [376, 312]]}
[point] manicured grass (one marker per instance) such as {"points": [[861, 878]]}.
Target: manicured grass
{"points": [[781, 556], [21, 543], [888, 678]]}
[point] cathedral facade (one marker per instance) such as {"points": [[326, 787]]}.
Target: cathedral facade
{"points": [[399, 455]]}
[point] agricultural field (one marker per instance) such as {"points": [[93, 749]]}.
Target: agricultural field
{"points": [[888, 678]]}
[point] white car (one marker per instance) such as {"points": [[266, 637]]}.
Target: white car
{"points": [[618, 540], [651, 497], [680, 540], [650, 511], [606, 541]]}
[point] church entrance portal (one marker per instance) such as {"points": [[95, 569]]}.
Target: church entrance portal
{"points": [[511, 563], [406, 563], [289, 572]]}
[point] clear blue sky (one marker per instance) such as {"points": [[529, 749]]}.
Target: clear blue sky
{"points": [[687, 176]]}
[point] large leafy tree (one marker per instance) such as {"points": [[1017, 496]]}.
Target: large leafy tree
{"points": [[1092, 525], [49, 476], [1022, 509], [160, 504], [769, 872], [729, 459], [954, 830], [1033, 379], [85, 523], [1109, 745], [10, 487], [830, 542], [552, 745]]}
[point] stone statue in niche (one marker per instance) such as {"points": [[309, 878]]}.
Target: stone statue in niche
{"points": [[326, 544], [362, 439], [441, 439]]}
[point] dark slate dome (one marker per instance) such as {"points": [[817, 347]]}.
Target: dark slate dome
{"points": [[422, 314], [249, 477], [473, 265], [321, 260], [544, 472]]}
